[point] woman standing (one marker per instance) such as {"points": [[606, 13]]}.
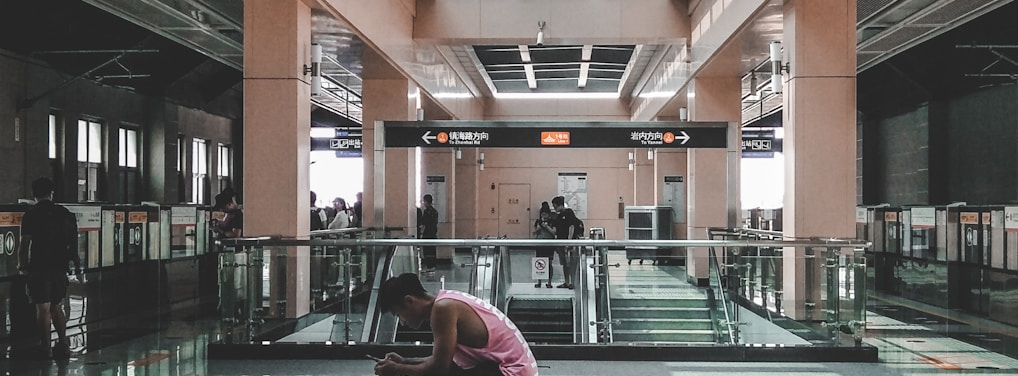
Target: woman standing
{"points": [[544, 230]]}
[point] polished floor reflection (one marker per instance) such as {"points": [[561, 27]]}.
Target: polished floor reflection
{"points": [[913, 340]]}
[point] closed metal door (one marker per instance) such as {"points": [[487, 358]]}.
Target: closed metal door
{"points": [[514, 210]]}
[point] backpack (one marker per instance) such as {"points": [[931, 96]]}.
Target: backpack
{"points": [[577, 228], [316, 219]]}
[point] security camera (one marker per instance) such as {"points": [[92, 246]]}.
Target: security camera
{"points": [[540, 33]]}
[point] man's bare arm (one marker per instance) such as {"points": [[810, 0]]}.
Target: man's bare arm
{"points": [[443, 325]]}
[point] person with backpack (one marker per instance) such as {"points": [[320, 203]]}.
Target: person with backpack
{"points": [[567, 226], [49, 241], [318, 217]]}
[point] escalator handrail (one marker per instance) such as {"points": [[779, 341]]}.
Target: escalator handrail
{"points": [[370, 330], [609, 335]]}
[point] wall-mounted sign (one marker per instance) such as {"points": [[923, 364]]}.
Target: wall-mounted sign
{"points": [[573, 187], [1011, 218], [860, 215], [346, 144], [137, 217], [183, 216], [891, 216], [759, 143], [89, 217], [555, 134], [924, 217]]}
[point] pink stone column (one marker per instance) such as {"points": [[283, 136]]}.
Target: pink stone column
{"points": [[820, 139], [389, 185], [713, 197], [277, 117]]}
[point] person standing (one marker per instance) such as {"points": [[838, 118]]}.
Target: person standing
{"points": [[544, 230], [49, 241], [342, 218], [318, 218], [358, 209], [565, 228], [428, 228]]}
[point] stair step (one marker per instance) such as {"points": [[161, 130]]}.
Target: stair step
{"points": [[645, 323], [659, 302], [661, 335], [540, 304], [660, 313]]}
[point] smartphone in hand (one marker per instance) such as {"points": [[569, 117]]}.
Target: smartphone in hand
{"points": [[375, 358]]}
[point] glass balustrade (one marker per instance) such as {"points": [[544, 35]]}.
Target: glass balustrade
{"points": [[730, 291]]}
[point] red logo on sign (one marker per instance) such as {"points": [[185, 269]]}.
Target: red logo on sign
{"points": [[443, 137], [668, 137]]}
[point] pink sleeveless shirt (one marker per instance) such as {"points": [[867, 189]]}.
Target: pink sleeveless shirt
{"points": [[506, 345]]}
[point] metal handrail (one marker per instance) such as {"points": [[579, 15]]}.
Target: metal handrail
{"points": [[720, 289], [293, 242], [724, 302]]}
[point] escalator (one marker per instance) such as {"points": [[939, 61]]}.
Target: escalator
{"points": [[543, 320]]}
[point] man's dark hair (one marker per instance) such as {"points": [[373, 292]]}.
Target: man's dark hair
{"points": [[42, 187], [558, 201], [394, 289], [223, 199], [428, 198]]}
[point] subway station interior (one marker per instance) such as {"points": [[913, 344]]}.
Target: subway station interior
{"points": [[767, 187]]}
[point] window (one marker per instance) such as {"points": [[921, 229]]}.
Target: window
{"points": [[52, 136], [89, 159], [128, 147], [199, 170], [128, 162], [224, 166]]}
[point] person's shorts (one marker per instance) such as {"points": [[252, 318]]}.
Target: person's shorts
{"points": [[46, 287]]}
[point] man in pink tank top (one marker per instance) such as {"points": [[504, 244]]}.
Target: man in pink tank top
{"points": [[472, 337]]}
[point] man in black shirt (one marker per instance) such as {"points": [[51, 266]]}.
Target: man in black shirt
{"points": [[48, 242], [428, 229], [565, 228]]}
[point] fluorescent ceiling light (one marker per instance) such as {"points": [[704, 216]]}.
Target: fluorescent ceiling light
{"points": [[319, 132], [602, 95], [452, 95]]}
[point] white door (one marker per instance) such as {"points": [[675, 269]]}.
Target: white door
{"points": [[514, 210]]}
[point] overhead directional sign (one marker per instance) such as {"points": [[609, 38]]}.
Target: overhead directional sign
{"points": [[555, 134]]}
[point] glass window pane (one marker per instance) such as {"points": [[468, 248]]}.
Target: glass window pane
{"points": [[123, 147], [82, 141], [52, 136], [132, 148], [94, 142]]}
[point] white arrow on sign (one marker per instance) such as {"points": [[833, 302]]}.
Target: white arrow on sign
{"points": [[684, 137], [427, 136]]}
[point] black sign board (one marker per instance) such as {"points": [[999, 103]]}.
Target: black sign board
{"points": [[438, 134], [346, 144], [759, 143]]}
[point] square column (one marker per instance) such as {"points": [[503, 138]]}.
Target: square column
{"points": [[713, 198], [277, 138], [820, 139], [389, 174]]}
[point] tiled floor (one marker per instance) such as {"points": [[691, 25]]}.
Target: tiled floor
{"points": [[910, 344]]}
